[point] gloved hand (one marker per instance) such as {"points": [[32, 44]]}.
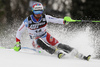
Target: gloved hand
{"points": [[65, 20], [17, 46]]}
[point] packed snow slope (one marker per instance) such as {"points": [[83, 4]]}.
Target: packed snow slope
{"points": [[10, 58], [81, 38]]}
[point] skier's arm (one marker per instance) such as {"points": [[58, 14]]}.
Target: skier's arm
{"points": [[54, 19], [21, 29]]}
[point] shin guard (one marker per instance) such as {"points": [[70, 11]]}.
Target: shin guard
{"points": [[45, 46]]}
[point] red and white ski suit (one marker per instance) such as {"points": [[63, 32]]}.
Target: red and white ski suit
{"points": [[37, 29]]}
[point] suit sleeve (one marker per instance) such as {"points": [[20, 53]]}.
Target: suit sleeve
{"points": [[54, 19], [21, 29]]}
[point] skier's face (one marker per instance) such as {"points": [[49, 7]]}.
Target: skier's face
{"points": [[38, 15]]}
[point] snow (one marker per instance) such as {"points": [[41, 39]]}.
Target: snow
{"points": [[10, 58], [81, 40]]}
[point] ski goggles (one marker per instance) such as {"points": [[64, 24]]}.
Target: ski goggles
{"points": [[38, 12]]}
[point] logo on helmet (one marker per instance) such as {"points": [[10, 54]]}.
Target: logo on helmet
{"points": [[37, 6]]}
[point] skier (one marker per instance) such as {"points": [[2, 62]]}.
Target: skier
{"points": [[36, 25]]}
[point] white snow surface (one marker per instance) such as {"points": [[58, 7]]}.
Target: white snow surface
{"points": [[10, 58], [81, 40]]}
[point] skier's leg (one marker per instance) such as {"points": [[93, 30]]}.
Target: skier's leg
{"points": [[51, 41], [50, 49], [65, 48], [45, 46], [72, 51], [34, 44]]}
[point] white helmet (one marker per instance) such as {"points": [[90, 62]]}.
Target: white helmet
{"points": [[37, 8]]}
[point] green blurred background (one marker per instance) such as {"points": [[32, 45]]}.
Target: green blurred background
{"points": [[77, 9]]}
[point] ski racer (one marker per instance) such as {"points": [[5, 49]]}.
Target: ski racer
{"points": [[36, 25]]}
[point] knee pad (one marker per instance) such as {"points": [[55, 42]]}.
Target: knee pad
{"points": [[45, 46]]}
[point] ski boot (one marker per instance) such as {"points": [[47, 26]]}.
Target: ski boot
{"points": [[60, 55], [87, 58]]}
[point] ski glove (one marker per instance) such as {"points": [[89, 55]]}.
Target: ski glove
{"points": [[65, 20], [17, 46]]}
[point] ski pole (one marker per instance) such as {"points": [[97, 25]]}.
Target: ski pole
{"points": [[31, 49], [68, 19], [23, 48]]}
